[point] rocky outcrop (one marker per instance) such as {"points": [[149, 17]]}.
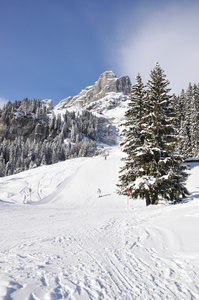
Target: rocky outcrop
{"points": [[25, 126], [28, 119], [106, 83]]}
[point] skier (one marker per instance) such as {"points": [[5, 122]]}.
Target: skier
{"points": [[99, 192]]}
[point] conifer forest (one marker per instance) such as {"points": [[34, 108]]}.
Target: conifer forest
{"points": [[32, 135]]}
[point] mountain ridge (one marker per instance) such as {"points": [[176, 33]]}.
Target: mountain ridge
{"points": [[106, 83], [34, 133]]}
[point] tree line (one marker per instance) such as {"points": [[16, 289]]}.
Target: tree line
{"points": [[187, 106], [32, 135]]}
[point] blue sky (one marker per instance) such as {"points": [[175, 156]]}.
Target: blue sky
{"points": [[54, 48]]}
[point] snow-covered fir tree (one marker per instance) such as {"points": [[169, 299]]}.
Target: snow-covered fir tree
{"points": [[189, 122], [134, 134], [152, 167], [32, 135], [185, 141]]}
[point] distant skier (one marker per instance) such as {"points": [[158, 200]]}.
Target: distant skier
{"points": [[99, 192], [105, 157]]}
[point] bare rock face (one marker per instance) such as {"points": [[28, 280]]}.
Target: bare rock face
{"points": [[30, 119], [15, 122], [25, 126], [106, 83]]}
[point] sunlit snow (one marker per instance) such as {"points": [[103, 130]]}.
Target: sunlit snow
{"points": [[60, 240]]}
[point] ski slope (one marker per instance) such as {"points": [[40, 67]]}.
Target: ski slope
{"points": [[59, 240]]}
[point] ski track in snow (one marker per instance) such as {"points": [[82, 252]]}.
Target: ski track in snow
{"points": [[74, 245]]}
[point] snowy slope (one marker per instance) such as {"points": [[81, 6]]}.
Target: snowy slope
{"points": [[63, 242]]}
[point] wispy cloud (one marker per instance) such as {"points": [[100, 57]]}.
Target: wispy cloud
{"points": [[169, 36]]}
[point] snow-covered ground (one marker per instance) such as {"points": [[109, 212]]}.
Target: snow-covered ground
{"points": [[59, 240]]}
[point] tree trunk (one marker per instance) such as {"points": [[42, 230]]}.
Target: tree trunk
{"points": [[148, 202], [153, 199]]}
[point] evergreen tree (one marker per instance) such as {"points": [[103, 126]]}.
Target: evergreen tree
{"points": [[185, 145], [194, 127], [152, 168], [189, 122], [2, 165], [133, 135]]}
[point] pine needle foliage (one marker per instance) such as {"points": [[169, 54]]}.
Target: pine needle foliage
{"points": [[152, 169]]}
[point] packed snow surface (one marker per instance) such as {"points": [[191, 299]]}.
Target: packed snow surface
{"points": [[60, 240]]}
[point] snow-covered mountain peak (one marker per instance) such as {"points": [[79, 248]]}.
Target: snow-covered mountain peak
{"points": [[107, 94], [104, 78]]}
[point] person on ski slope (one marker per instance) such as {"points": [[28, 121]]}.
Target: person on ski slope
{"points": [[99, 192]]}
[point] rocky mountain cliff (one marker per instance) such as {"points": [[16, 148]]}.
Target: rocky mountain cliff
{"points": [[33, 133], [106, 84], [26, 118], [31, 118]]}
